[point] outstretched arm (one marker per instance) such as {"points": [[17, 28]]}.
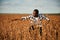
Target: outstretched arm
{"points": [[44, 17], [24, 18]]}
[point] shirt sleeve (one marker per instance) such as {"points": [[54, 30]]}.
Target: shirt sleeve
{"points": [[27, 17], [44, 17]]}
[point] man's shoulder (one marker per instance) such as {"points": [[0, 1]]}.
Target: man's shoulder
{"points": [[40, 14]]}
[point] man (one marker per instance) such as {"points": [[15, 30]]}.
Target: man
{"points": [[35, 17]]}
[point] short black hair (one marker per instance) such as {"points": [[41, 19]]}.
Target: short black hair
{"points": [[36, 10]]}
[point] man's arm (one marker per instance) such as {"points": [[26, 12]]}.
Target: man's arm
{"points": [[24, 18], [44, 17]]}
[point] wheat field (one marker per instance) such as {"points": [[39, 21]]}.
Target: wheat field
{"points": [[13, 29]]}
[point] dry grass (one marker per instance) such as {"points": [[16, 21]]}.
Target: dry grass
{"points": [[11, 29]]}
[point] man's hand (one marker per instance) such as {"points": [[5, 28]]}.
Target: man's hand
{"points": [[23, 18]]}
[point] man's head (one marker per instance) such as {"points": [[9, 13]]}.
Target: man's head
{"points": [[35, 12]]}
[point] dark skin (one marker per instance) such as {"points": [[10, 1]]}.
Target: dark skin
{"points": [[35, 14]]}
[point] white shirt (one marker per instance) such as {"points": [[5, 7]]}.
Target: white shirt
{"points": [[35, 19], [31, 17]]}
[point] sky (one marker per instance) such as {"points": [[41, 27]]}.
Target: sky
{"points": [[27, 6]]}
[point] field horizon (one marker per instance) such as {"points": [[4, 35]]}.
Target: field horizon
{"points": [[29, 13]]}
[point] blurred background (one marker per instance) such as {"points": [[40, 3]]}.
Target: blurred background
{"points": [[27, 6]]}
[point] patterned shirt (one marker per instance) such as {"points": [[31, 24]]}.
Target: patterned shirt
{"points": [[35, 19], [31, 17]]}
